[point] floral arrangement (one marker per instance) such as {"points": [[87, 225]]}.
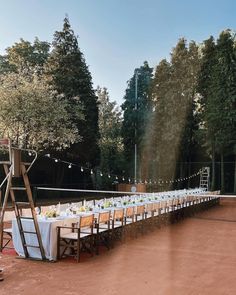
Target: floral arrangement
{"points": [[107, 204], [51, 213]]}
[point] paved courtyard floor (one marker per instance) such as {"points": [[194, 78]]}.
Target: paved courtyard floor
{"points": [[194, 257]]}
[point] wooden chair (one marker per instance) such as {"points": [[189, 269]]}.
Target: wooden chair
{"points": [[149, 215], [164, 216], [76, 238], [139, 219], [157, 213], [129, 220], [117, 225], [103, 230]]}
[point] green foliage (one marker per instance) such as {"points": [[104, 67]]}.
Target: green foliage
{"points": [[71, 77], [136, 113], [110, 141], [33, 115], [173, 95], [217, 86], [23, 56]]}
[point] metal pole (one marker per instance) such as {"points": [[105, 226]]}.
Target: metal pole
{"points": [[135, 131]]}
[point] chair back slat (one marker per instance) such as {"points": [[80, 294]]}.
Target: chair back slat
{"points": [[163, 204], [118, 214], [170, 202], [140, 209], [86, 221], [129, 211], [104, 217], [156, 205], [149, 207], [176, 202]]}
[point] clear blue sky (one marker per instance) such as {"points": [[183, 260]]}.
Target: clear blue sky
{"points": [[116, 36]]}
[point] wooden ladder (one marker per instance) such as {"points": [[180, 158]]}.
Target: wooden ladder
{"points": [[17, 205], [204, 177]]}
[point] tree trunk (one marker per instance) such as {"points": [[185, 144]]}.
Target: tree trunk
{"points": [[235, 175], [222, 176], [213, 167]]}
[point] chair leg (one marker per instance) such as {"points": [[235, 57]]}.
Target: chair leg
{"points": [[58, 243], [97, 242], [78, 251]]}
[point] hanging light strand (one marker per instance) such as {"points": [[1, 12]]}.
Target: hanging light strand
{"points": [[122, 177]]}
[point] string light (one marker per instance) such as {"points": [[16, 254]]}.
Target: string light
{"points": [[159, 182]]}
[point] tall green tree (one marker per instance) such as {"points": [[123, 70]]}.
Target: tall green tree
{"points": [[225, 91], [71, 77], [136, 110], [205, 89], [218, 90], [158, 138], [110, 142], [188, 141], [173, 92]]}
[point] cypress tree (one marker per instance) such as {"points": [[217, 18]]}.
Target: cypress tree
{"points": [[71, 77], [136, 112]]}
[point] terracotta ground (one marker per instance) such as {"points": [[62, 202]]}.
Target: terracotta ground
{"points": [[195, 256]]}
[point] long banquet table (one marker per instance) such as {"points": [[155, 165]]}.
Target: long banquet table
{"points": [[48, 226]]}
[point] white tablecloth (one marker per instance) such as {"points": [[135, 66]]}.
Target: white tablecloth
{"points": [[48, 231]]}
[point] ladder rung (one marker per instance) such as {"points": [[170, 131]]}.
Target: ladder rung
{"points": [[18, 188], [22, 203], [32, 246], [9, 208], [26, 217], [29, 232]]}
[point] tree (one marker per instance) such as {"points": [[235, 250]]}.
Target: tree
{"points": [[33, 115], [218, 90], [225, 97], [70, 76], [136, 113], [205, 81], [110, 141], [24, 56], [160, 92], [173, 92]]}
